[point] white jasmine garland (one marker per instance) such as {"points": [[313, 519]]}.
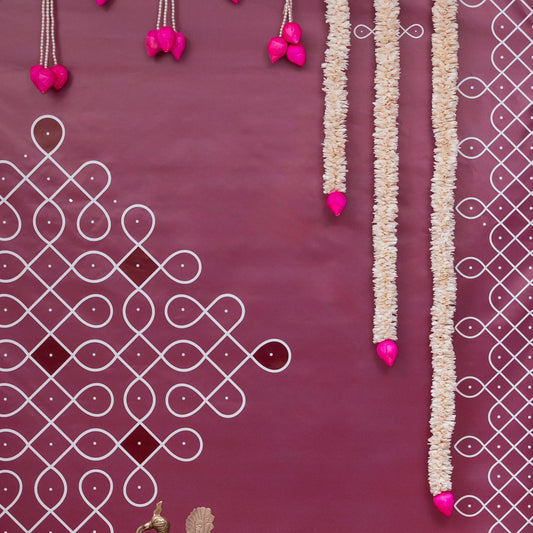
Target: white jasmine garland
{"points": [[444, 105], [387, 93], [336, 97]]}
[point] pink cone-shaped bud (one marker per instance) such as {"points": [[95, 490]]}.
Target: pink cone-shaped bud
{"points": [[444, 503], [34, 71], [166, 37], [101, 2], [388, 351], [235, 1], [152, 43], [296, 54], [179, 45], [336, 202], [292, 32], [61, 74], [44, 80], [277, 48]]}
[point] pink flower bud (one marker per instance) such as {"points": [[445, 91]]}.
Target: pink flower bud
{"points": [[296, 54], [292, 32], [277, 48]]}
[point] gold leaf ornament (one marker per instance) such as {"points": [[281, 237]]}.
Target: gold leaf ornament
{"points": [[200, 521]]}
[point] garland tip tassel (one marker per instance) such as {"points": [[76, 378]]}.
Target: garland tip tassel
{"points": [[336, 202], [444, 503], [387, 351]]}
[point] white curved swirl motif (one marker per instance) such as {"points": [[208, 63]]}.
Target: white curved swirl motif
{"points": [[415, 31], [505, 266], [90, 360]]}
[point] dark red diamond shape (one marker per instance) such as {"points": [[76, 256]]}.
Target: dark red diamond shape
{"points": [[51, 355], [140, 444], [138, 266]]}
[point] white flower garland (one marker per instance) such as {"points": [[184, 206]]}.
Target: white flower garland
{"points": [[336, 102], [444, 106], [387, 93]]}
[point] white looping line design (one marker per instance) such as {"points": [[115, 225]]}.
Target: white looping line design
{"points": [[506, 209], [415, 31], [71, 207]]}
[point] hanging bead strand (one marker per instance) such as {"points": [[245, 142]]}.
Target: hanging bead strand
{"points": [[51, 23], [42, 75], [159, 14], [288, 42], [165, 37]]}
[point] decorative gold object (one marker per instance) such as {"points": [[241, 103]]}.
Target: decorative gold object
{"points": [[200, 521], [159, 523]]}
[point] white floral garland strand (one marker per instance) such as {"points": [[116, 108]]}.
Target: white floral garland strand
{"points": [[444, 106], [336, 102], [386, 161]]}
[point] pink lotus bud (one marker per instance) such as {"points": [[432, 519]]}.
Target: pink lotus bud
{"points": [[388, 351], [179, 45], [34, 71], [44, 79], [292, 32], [336, 202], [61, 74], [444, 503], [152, 43], [296, 54], [166, 37], [101, 2], [277, 48]]}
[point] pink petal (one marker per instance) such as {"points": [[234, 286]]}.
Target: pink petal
{"points": [[179, 45], [296, 54], [101, 2], [152, 43], [61, 74], [166, 37], [388, 351], [292, 32], [444, 503], [336, 202], [277, 48]]}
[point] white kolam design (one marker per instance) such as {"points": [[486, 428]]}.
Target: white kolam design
{"points": [[101, 350], [504, 209]]}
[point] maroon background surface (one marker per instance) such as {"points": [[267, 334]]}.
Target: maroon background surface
{"points": [[225, 148]]}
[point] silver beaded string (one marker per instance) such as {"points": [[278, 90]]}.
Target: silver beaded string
{"points": [[165, 14], [52, 30], [47, 45], [159, 12], [46, 33], [287, 15], [173, 15], [43, 23]]}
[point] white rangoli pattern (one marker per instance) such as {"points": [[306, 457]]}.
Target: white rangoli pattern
{"points": [[68, 362], [505, 148]]}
